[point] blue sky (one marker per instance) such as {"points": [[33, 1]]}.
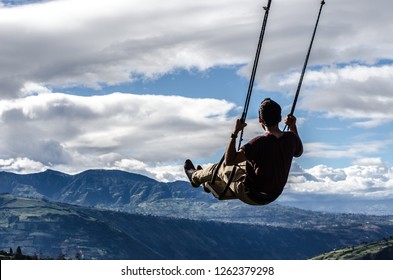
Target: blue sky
{"points": [[143, 85]]}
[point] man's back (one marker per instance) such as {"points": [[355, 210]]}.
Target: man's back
{"points": [[269, 160]]}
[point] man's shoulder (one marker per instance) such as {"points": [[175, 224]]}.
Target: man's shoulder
{"points": [[290, 134], [292, 140], [256, 139], [261, 136]]}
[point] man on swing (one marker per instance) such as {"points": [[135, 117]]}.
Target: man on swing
{"points": [[258, 172]]}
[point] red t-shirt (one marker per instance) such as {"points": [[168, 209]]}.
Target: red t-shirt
{"points": [[269, 160]]}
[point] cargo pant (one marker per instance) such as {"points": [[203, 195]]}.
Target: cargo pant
{"points": [[236, 190]]}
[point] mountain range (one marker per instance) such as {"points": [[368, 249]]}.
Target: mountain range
{"points": [[111, 214], [133, 193]]}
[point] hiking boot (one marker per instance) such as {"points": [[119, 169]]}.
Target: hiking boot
{"points": [[189, 168]]}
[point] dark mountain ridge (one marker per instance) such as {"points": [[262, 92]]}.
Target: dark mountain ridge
{"points": [[91, 187], [45, 184]]}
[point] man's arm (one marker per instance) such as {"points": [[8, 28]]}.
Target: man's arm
{"points": [[232, 156], [290, 121]]}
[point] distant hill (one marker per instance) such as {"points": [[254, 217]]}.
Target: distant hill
{"points": [[111, 188], [380, 250]]}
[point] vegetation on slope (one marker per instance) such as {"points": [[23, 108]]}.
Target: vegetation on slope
{"points": [[380, 250]]}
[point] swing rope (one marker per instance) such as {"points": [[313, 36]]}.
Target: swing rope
{"points": [[247, 102], [254, 69], [305, 64]]}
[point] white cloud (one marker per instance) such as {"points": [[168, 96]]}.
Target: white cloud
{"points": [[355, 150], [31, 88], [327, 173], [357, 181], [374, 161], [160, 172], [128, 131], [21, 165], [96, 43], [93, 43], [130, 164], [356, 92]]}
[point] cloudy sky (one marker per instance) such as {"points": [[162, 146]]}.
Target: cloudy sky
{"points": [[143, 85]]}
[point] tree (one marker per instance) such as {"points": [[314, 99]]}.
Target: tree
{"points": [[78, 256], [18, 251], [18, 254]]}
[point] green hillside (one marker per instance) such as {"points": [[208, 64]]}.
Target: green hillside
{"points": [[380, 250]]}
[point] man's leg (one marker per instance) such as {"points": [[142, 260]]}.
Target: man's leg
{"points": [[236, 189], [224, 174], [202, 176]]}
